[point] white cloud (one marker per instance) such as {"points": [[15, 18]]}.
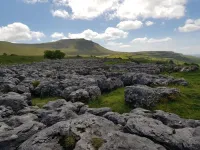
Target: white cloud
{"points": [[125, 46], [125, 9], [130, 25], [151, 40], [133, 9], [149, 23], [60, 13], [109, 34], [60, 2], [88, 9], [35, 1], [116, 45], [57, 36], [19, 32], [140, 40], [190, 26]]}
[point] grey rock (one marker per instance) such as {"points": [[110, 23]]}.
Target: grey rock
{"points": [[158, 132], [174, 121], [141, 96], [146, 97], [4, 127], [115, 118], [67, 91], [14, 100], [5, 111], [122, 141], [16, 121], [22, 89], [94, 92], [99, 111], [80, 95], [82, 129], [110, 84], [10, 140]]}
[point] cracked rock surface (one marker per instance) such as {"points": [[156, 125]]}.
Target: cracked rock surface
{"points": [[69, 124]]}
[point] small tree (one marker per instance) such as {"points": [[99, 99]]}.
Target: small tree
{"points": [[171, 62], [57, 54], [4, 54]]}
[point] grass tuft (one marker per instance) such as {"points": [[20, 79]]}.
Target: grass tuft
{"points": [[35, 83], [40, 102], [97, 143]]}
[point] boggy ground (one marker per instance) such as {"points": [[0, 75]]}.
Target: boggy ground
{"points": [[68, 123]]}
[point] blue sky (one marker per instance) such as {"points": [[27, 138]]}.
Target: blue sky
{"points": [[121, 25]]}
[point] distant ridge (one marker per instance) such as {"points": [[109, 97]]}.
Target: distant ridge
{"points": [[69, 46]]}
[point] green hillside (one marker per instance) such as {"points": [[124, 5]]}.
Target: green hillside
{"points": [[69, 46], [150, 56]]}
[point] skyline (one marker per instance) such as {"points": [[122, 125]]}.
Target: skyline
{"points": [[120, 25]]}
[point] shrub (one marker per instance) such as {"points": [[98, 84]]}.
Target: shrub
{"points": [[68, 142], [13, 55], [4, 54], [97, 143], [171, 62], [78, 56], [57, 54], [35, 83]]}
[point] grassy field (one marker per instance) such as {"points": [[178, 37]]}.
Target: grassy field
{"points": [[156, 56], [6, 60], [68, 46], [187, 105], [41, 102], [114, 100]]}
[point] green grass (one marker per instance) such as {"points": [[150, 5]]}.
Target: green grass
{"points": [[114, 100], [187, 105], [6, 60], [40, 102], [68, 46], [155, 56], [97, 142]]}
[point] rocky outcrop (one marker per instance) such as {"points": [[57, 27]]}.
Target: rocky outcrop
{"points": [[13, 100], [70, 124], [146, 97], [60, 78], [66, 125]]}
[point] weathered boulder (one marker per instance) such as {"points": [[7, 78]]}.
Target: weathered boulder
{"points": [[47, 89], [79, 95], [174, 121], [99, 111], [185, 138], [52, 117], [67, 91], [110, 84], [123, 141], [94, 92], [22, 89], [14, 100], [5, 111], [16, 121], [11, 139], [148, 79], [81, 130], [57, 111], [146, 97], [115, 118]]}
